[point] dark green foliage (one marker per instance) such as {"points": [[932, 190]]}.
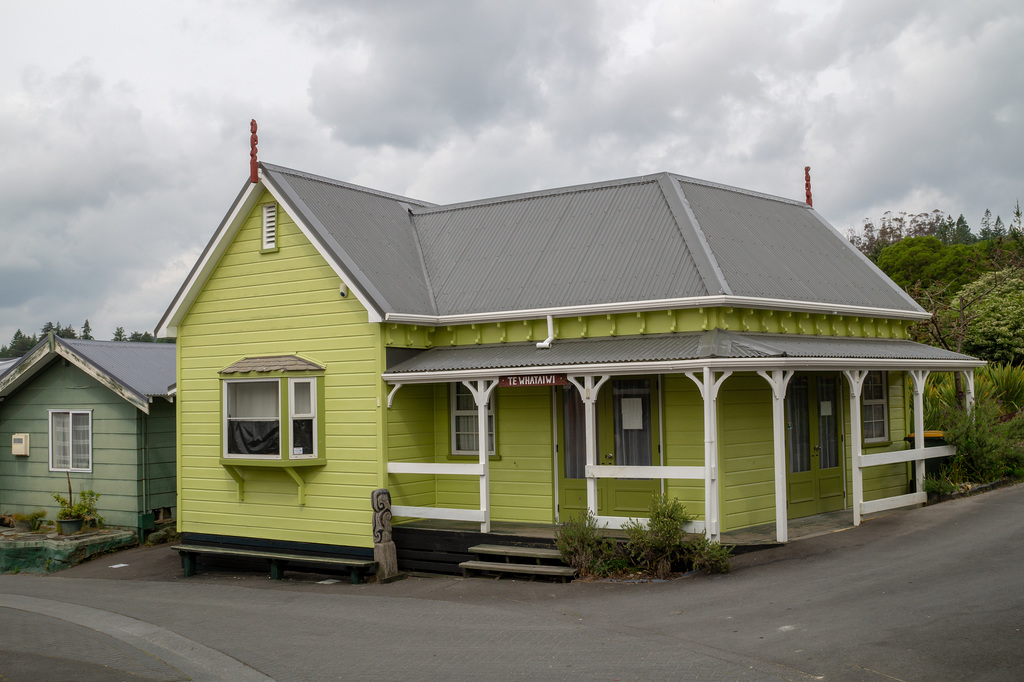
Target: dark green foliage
{"points": [[582, 546], [924, 261], [20, 344], [657, 543], [87, 331], [987, 447], [709, 557]]}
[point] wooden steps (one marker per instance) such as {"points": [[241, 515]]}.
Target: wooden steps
{"points": [[532, 561], [278, 560]]}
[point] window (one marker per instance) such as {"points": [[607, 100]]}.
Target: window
{"points": [[302, 405], [252, 411], [464, 422], [253, 424], [70, 440], [876, 408]]}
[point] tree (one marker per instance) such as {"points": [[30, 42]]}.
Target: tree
{"points": [[20, 344], [995, 329], [119, 334], [87, 331], [922, 261], [146, 337], [986, 226]]}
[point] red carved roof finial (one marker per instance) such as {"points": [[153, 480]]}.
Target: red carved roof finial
{"points": [[807, 185], [254, 169]]}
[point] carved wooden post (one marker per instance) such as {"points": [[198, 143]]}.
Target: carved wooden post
{"points": [[383, 547]]}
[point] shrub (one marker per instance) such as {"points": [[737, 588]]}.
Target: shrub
{"points": [[987, 446], [707, 556], [655, 545], [582, 546]]}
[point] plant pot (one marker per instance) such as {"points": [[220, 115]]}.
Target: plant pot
{"points": [[26, 526], [69, 526]]}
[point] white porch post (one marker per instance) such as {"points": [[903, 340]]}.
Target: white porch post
{"points": [[709, 386], [588, 392], [481, 391], [969, 388], [779, 381], [919, 377], [856, 378]]}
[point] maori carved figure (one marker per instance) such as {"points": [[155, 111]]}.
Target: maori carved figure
{"points": [[380, 500], [384, 552], [807, 185], [254, 175]]}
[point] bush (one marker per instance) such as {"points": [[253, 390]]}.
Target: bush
{"points": [[582, 546], [987, 446], [707, 556], [655, 545]]}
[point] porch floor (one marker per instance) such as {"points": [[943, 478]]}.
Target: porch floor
{"points": [[764, 534]]}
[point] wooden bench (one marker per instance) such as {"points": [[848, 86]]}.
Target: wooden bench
{"points": [[532, 561], [278, 560]]}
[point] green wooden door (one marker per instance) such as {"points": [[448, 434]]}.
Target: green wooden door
{"points": [[814, 476], [627, 422]]}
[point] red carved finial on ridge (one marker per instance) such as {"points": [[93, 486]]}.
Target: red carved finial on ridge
{"points": [[254, 169], [807, 185]]}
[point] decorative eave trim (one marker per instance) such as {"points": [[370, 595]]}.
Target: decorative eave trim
{"points": [[679, 366], [52, 347], [722, 301], [218, 245]]}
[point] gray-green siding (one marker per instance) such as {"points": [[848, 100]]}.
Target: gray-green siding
{"points": [[124, 455]]}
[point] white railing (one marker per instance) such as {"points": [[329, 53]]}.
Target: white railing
{"points": [[656, 472], [896, 457], [437, 469]]}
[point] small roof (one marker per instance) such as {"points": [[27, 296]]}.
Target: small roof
{"points": [[7, 363], [272, 363], [659, 351], [650, 242], [136, 371]]}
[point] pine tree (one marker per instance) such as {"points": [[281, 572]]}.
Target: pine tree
{"points": [[87, 331], [986, 226], [999, 229], [119, 334]]}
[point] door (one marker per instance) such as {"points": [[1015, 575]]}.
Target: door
{"points": [[814, 476], [626, 416]]}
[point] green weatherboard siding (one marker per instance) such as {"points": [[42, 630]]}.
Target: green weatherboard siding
{"points": [[128, 448], [283, 302]]}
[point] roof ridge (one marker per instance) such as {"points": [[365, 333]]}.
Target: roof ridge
{"points": [[525, 196], [347, 185], [693, 236], [738, 190]]}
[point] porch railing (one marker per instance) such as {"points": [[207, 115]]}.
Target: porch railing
{"points": [[862, 462], [436, 469], [655, 472]]}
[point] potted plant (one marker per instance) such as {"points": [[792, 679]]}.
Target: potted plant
{"points": [[27, 523], [72, 513]]}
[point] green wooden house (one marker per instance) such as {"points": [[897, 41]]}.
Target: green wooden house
{"points": [[519, 359], [100, 412]]}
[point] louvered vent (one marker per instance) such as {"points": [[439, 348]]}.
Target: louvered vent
{"points": [[270, 226]]}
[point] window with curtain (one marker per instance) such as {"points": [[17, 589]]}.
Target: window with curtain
{"points": [[465, 439], [875, 407], [574, 420], [252, 413], [798, 425], [631, 400], [70, 440], [302, 404]]}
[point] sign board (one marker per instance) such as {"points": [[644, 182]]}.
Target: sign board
{"points": [[533, 380]]}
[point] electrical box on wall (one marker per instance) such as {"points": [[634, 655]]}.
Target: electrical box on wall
{"points": [[19, 444]]}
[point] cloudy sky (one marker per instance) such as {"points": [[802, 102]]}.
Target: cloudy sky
{"points": [[124, 126]]}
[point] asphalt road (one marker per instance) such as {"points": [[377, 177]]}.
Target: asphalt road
{"points": [[926, 594]]}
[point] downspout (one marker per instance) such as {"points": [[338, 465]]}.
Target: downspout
{"points": [[546, 343]]}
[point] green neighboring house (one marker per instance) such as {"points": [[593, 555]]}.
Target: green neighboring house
{"points": [[99, 411], [519, 359]]}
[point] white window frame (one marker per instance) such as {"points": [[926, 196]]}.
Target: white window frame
{"points": [[883, 401], [71, 419], [454, 413], [293, 415], [224, 419]]}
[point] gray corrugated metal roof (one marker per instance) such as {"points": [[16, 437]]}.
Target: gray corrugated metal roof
{"points": [[6, 364], [370, 233], [647, 238], [272, 363], [667, 347], [780, 249], [146, 368]]}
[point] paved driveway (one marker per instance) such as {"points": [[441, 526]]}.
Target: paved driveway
{"points": [[927, 594]]}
